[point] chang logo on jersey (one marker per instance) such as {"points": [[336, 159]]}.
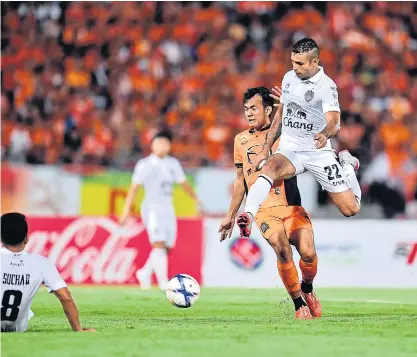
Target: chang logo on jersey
{"points": [[297, 125], [246, 253], [295, 118]]}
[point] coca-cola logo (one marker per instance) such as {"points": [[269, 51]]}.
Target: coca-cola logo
{"points": [[89, 249]]}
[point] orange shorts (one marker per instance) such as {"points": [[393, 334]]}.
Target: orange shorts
{"points": [[278, 218]]}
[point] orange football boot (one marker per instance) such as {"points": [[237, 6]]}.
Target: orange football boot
{"points": [[313, 303], [303, 313]]}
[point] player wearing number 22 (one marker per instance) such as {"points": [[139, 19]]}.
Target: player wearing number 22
{"points": [[22, 274], [309, 115], [281, 219]]}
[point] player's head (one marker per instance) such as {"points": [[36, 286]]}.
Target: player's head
{"points": [[14, 229], [161, 143], [305, 58], [258, 105]]}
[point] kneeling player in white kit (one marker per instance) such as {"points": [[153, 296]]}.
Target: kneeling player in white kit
{"points": [[309, 114], [157, 173], [22, 275]]}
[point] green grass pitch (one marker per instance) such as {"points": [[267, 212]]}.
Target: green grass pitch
{"points": [[223, 322]]}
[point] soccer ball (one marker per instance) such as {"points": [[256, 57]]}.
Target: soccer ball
{"points": [[183, 290]]}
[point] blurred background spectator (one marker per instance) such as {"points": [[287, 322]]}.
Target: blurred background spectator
{"points": [[91, 82]]}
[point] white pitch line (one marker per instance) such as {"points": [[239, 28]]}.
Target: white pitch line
{"points": [[372, 301]]}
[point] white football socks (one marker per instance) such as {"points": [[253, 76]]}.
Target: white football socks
{"points": [[353, 181], [258, 193], [159, 261]]}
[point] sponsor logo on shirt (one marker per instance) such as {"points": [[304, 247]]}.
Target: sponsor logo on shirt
{"points": [[295, 118]]}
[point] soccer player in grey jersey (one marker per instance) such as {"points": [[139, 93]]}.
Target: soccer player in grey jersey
{"points": [[308, 114]]}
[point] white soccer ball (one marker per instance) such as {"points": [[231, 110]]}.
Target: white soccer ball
{"points": [[183, 290]]}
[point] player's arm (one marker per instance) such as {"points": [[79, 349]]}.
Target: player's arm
{"points": [[331, 129], [189, 190], [226, 227], [181, 179], [54, 283], [70, 309], [331, 110], [139, 176], [275, 130], [131, 194]]}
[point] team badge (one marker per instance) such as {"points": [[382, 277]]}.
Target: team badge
{"points": [[287, 86], [309, 96], [264, 227], [277, 191], [243, 140]]}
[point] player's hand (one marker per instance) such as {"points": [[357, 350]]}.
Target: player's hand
{"points": [[276, 94], [259, 160], [226, 228], [88, 329], [320, 140]]}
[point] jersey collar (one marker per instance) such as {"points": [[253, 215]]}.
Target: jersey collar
{"points": [[262, 129], [317, 76], [4, 250], [156, 158]]}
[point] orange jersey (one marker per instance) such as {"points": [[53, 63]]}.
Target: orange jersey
{"points": [[247, 145]]}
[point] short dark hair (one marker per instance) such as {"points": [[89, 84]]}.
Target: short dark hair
{"points": [[14, 228], [306, 45], [163, 134], [263, 92]]}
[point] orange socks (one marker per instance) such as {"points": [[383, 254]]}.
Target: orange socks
{"points": [[309, 270], [289, 276]]}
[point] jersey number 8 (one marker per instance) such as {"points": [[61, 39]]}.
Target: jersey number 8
{"points": [[9, 306]]}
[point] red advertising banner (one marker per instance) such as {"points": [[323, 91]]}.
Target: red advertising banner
{"points": [[97, 250]]}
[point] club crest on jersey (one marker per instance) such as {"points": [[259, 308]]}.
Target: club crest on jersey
{"points": [[277, 191], [243, 140], [287, 86], [264, 227], [309, 96]]}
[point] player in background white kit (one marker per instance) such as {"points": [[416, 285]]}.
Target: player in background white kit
{"points": [[22, 274], [309, 114], [157, 173]]}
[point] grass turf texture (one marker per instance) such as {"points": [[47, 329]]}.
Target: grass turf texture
{"points": [[223, 322]]}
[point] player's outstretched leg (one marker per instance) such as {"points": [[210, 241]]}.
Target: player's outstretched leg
{"points": [[277, 167], [350, 165], [348, 202], [157, 262], [144, 274], [288, 273], [160, 263], [303, 240]]}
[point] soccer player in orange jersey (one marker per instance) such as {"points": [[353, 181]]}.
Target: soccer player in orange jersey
{"points": [[281, 219]]}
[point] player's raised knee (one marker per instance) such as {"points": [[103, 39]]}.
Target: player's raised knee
{"points": [[350, 210], [308, 256]]}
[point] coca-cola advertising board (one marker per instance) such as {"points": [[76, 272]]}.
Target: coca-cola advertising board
{"points": [[97, 250]]}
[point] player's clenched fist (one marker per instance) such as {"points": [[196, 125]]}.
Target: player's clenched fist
{"points": [[226, 228], [320, 140]]}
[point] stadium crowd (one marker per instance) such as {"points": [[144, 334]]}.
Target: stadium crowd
{"points": [[91, 82]]}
